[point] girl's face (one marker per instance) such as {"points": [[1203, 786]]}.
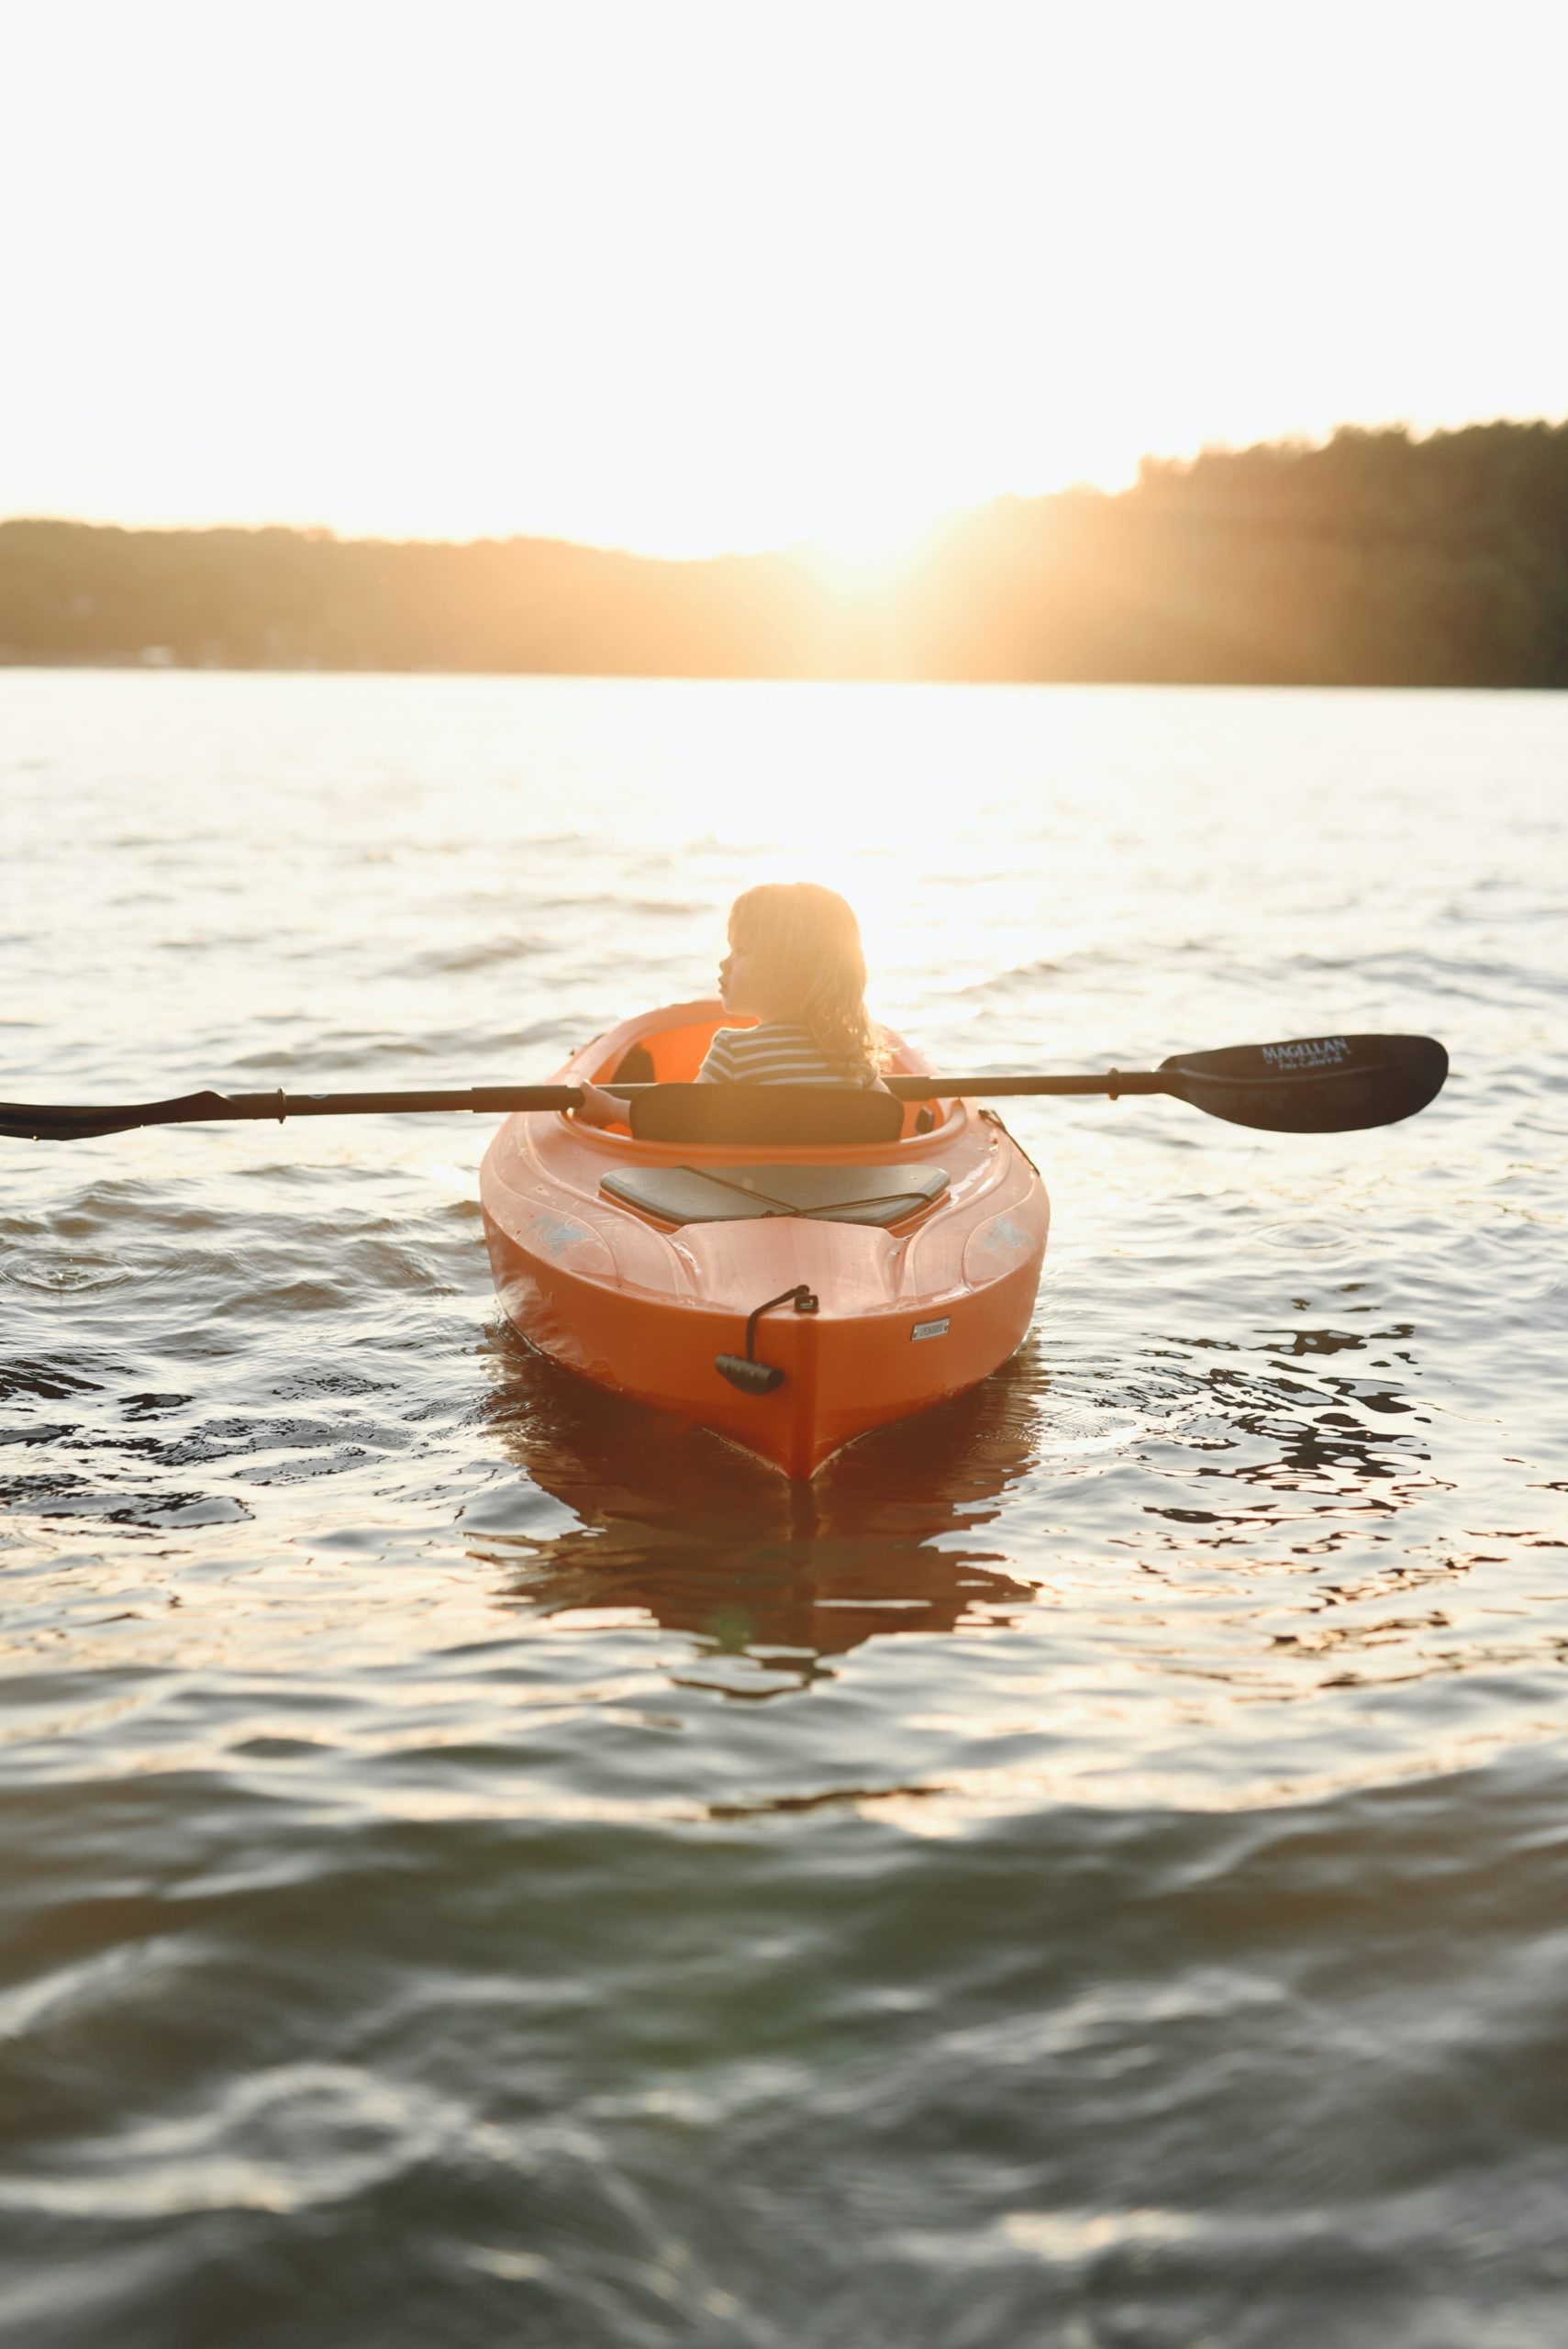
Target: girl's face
{"points": [[738, 984], [734, 973]]}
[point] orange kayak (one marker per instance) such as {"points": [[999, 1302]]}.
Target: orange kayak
{"points": [[789, 1294]]}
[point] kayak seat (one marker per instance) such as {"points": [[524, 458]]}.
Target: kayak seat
{"points": [[875, 1194], [635, 1067], [764, 1113]]}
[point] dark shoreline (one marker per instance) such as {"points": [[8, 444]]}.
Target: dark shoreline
{"points": [[1374, 560]]}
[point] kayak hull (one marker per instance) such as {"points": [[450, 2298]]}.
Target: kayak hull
{"points": [[905, 1315]]}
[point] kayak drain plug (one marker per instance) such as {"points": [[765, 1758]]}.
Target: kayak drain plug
{"points": [[744, 1371]]}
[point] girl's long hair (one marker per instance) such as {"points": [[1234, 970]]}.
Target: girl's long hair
{"points": [[805, 943]]}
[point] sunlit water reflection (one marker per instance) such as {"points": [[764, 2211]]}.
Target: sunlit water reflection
{"points": [[482, 1864]]}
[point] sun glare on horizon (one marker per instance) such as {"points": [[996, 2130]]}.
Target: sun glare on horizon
{"points": [[869, 551]]}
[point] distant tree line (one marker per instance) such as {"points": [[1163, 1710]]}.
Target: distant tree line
{"points": [[1375, 559]]}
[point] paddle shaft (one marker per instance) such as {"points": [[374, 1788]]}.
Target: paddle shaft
{"points": [[495, 1100], [50, 1121], [1005, 1088]]}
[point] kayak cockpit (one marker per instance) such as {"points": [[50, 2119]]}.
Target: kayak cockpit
{"points": [[664, 1051]]}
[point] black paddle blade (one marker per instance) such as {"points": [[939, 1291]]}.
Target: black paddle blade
{"points": [[1319, 1085], [50, 1121]]}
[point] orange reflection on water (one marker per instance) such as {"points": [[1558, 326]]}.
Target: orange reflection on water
{"points": [[706, 1542]]}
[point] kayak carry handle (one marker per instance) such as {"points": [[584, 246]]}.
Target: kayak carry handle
{"points": [[744, 1371], [751, 1377]]}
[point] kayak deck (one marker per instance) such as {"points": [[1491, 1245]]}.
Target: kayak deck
{"points": [[640, 1263], [679, 1194]]}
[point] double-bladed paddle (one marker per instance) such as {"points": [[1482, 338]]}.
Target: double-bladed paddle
{"points": [[1318, 1085]]}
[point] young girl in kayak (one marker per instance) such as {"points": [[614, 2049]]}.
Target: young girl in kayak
{"points": [[796, 967]]}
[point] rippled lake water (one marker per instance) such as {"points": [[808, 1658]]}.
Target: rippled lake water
{"points": [[480, 1866]]}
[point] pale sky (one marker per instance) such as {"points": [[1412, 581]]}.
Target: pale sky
{"points": [[690, 274]]}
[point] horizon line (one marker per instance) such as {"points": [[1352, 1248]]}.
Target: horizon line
{"points": [[811, 544]]}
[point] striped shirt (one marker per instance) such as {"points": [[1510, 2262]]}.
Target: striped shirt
{"points": [[778, 1054]]}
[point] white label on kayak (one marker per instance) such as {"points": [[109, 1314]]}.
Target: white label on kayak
{"points": [[931, 1328]]}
